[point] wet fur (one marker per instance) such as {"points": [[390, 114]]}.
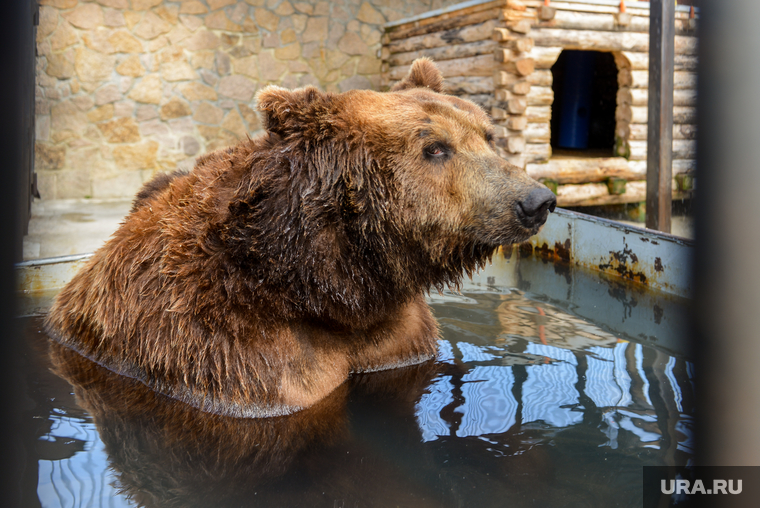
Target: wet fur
{"points": [[257, 283]]}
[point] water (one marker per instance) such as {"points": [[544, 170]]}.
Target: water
{"points": [[553, 388]]}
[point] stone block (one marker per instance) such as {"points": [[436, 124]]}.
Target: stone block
{"points": [[237, 87], [369, 14], [101, 114], [355, 83], [106, 94], [250, 116], [368, 65], [322, 9], [48, 22], [113, 18], [146, 113], [178, 71], [92, 66], [271, 69], [209, 77], [49, 156], [316, 30], [195, 91], [144, 5], [121, 130], [132, 18], [97, 40], [284, 9], [151, 26], [218, 4], [248, 66], [223, 63], [299, 22], [169, 13], [124, 42], [352, 44], [86, 16], [148, 90], [84, 159], [175, 108], [190, 145], [238, 13], [270, 40], [60, 4], [136, 156], [158, 43], [304, 7], [233, 122], [59, 66], [203, 39], [184, 125], [219, 21], [124, 108], [289, 52], [73, 185], [123, 184], [178, 34], [42, 128], [156, 130], [67, 116], [115, 4], [193, 7], [192, 23], [131, 66], [63, 36], [266, 19]]}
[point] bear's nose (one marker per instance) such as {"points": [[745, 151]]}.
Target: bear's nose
{"points": [[533, 209]]}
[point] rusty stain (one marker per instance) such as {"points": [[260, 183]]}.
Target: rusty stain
{"points": [[618, 263], [526, 250], [641, 266], [562, 251], [658, 312]]}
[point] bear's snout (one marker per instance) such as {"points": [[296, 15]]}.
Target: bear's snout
{"points": [[534, 209]]}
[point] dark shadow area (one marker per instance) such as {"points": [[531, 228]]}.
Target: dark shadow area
{"points": [[585, 97]]}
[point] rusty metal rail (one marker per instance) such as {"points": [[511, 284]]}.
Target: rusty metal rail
{"points": [[658, 260]]}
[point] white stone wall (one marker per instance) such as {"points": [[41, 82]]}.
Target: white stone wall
{"points": [[128, 88]]}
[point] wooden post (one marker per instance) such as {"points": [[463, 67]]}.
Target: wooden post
{"points": [[660, 115]]}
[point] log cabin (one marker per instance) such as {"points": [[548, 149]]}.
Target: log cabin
{"points": [[566, 83]]}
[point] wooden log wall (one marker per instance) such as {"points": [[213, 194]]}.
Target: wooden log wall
{"points": [[499, 54]]}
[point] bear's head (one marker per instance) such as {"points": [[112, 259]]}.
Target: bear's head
{"points": [[412, 170]]}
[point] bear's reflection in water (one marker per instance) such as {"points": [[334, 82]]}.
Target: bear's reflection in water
{"points": [[165, 453]]}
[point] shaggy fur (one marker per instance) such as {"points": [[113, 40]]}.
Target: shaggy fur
{"points": [[166, 454], [255, 284]]}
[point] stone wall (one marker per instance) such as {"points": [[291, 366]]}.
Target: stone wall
{"points": [[128, 88]]}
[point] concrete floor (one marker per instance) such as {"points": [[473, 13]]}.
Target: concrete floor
{"points": [[71, 226], [78, 226]]}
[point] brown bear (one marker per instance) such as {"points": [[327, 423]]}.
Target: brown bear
{"points": [[255, 284]]}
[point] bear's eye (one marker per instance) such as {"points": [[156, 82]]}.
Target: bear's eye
{"points": [[437, 151], [489, 137]]}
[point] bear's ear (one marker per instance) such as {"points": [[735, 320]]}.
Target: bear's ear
{"points": [[423, 74], [284, 110]]}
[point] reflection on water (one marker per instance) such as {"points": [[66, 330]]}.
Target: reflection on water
{"points": [[528, 402], [537, 365]]}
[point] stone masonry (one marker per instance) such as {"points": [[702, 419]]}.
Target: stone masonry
{"points": [[129, 88]]}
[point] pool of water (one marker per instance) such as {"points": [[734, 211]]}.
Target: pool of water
{"points": [[553, 387]]}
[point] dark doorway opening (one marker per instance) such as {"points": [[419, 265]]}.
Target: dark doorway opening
{"points": [[585, 97]]}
